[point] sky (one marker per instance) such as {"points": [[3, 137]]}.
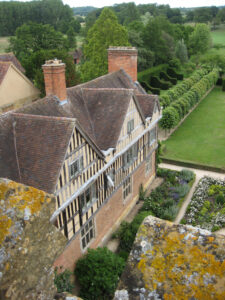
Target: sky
{"points": [[172, 3]]}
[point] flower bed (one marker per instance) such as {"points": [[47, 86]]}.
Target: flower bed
{"points": [[164, 201], [207, 206]]}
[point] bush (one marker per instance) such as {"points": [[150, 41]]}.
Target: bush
{"points": [[220, 199], [63, 281], [182, 190], [170, 212], [170, 118], [98, 272], [127, 231], [187, 175]]}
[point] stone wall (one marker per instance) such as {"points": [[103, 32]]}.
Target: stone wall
{"points": [[174, 261], [29, 244]]}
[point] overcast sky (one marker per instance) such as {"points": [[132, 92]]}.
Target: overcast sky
{"points": [[172, 3]]}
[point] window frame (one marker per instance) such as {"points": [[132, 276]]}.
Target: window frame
{"points": [[85, 233], [148, 165], [130, 126], [80, 166], [127, 187], [88, 197], [152, 132], [130, 156]]}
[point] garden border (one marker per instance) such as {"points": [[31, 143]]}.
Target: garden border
{"points": [[187, 164]]}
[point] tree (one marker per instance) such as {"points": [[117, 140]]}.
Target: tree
{"points": [[158, 38], [71, 38], [33, 37], [181, 51], [200, 39], [104, 33], [221, 14], [33, 66]]}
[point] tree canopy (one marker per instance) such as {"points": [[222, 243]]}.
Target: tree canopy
{"points": [[33, 66], [200, 39], [104, 33], [33, 37], [13, 14]]}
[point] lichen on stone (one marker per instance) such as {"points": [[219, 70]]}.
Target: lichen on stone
{"points": [[175, 262]]}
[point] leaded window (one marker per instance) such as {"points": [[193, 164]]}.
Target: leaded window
{"points": [[76, 167], [87, 233]]}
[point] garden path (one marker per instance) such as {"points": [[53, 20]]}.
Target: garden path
{"points": [[199, 175]]}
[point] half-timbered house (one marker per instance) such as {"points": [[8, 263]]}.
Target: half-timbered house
{"points": [[91, 145]]}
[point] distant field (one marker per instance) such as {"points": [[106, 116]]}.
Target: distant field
{"points": [[218, 35], [4, 43], [201, 138]]}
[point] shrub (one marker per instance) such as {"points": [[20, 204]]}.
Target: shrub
{"points": [[170, 213], [170, 118], [63, 281], [142, 192], [98, 272], [187, 175], [182, 190], [127, 231], [220, 199]]}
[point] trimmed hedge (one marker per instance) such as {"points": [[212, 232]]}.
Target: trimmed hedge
{"points": [[185, 102], [180, 89], [172, 73], [159, 83], [166, 77], [155, 71], [150, 89]]}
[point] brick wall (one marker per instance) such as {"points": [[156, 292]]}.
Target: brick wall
{"points": [[125, 58]]}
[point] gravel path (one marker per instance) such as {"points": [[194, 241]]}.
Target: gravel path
{"points": [[199, 174]]}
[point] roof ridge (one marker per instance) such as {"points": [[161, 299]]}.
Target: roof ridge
{"points": [[108, 89], [30, 116]]}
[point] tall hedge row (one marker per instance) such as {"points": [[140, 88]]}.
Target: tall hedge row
{"points": [[177, 109], [178, 90]]}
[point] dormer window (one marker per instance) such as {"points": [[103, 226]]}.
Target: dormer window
{"points": [[76, 167], [130, 126]]}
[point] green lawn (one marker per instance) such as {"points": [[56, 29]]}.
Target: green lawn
{"points": [[218, 35], [201, 138]]}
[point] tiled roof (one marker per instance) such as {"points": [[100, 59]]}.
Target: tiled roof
{"points": [[3, 70], [37, 149], [42, 129], [147, 103], [106, 118], [10, 57]]}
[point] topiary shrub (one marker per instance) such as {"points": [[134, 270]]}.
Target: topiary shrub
{"points": [[63, 281], [98, 273], [170, 118]]}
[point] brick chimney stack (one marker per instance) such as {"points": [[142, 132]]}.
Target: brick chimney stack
{"points": [[123, 58], [55, 80]]}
